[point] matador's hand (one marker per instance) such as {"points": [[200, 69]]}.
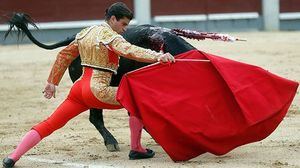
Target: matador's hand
{"points": [[167, 57], [49, 91]]}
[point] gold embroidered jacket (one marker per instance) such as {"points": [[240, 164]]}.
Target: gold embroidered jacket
{"points": [[99, 47]]}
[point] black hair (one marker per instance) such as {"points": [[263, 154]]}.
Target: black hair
{"points": [[119, 10]]}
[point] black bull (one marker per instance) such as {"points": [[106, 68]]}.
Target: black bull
{"points": [[146, 36]]}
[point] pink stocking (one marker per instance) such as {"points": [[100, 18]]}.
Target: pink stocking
{"points": [[136, 127], [30, 139]]}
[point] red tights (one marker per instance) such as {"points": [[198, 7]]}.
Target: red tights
{"points": [[79, 99]]}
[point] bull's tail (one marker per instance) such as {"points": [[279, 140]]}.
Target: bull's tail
{"points": [[20, 21]]}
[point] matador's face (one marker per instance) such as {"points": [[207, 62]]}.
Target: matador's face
{"points": [[120, 25]]}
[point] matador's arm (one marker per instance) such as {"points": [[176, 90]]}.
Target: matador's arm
{"points": [[121, 47], [63, 60]]}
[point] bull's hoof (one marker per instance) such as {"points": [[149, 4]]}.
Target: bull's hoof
{"points": [[112, 147], [8, 163]]}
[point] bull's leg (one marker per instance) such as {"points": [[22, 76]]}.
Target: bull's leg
{"points": [[96, 118]]}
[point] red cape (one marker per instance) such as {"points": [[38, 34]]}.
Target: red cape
{"points": [[192, 107]]}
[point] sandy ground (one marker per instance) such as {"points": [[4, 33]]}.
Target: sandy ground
{"points": [[24, 70]]}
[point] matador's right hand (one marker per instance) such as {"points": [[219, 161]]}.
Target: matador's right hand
{"points": [[167, 57], [49, 91]]}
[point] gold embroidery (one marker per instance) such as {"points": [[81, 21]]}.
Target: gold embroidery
{"points": [[92, 43], [100, 81], [93, 52], [83, 32], [107, 35], [124, 48], [62, 62]]}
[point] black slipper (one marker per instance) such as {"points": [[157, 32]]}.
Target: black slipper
{"points": [[8, 163], [134, 155]]}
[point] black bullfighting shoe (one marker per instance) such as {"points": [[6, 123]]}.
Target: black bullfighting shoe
{"points": [[134, 155], [8, 163]]}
